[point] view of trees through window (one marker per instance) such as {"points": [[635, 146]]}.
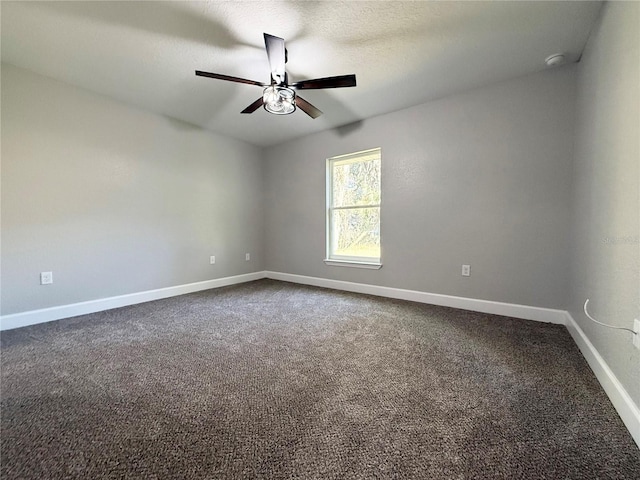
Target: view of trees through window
{"points": [[354, 211]]}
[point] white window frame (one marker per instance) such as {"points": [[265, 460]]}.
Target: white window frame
{"points": [[344, 260]]}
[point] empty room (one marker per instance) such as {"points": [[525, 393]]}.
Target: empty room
{"points": [[320, 240]]}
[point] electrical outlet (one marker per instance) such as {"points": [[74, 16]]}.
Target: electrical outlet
{"points": [[247, 256], [212, 259], [46, 278], [636, 329], [466, 270]]}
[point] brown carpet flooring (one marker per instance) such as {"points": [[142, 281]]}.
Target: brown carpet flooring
{"points": [[275, 380]]}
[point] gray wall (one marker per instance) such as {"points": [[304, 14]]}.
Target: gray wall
{"points": [[605, 247], [480, 178], [115, 200]]}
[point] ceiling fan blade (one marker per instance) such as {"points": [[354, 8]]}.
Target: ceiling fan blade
{"points": [[307, 108], [328, 82], [253, 107], [276, 54], [229, 78]]}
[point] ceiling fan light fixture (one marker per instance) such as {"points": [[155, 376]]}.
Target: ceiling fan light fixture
{"points": [[279, 100]]}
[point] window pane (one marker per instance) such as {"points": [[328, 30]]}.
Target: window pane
{"points": [[356, 232], [356, 183]]}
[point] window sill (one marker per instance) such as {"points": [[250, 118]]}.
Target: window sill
{"points": [[350, 263]]}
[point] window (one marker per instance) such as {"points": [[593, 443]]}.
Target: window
{"points": [[353, 209]]}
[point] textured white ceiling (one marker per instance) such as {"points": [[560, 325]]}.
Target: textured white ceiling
{"points": [[403, 53]]}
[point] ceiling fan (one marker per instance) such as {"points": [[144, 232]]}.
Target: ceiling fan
{"points": [[279, 96]]}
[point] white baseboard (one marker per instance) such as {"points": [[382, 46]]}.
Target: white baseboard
{"points": [[16, 320], [526, 312], [623, 403]]}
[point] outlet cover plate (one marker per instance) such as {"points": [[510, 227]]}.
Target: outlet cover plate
{"points": [[46, 278], [636, 329]]}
